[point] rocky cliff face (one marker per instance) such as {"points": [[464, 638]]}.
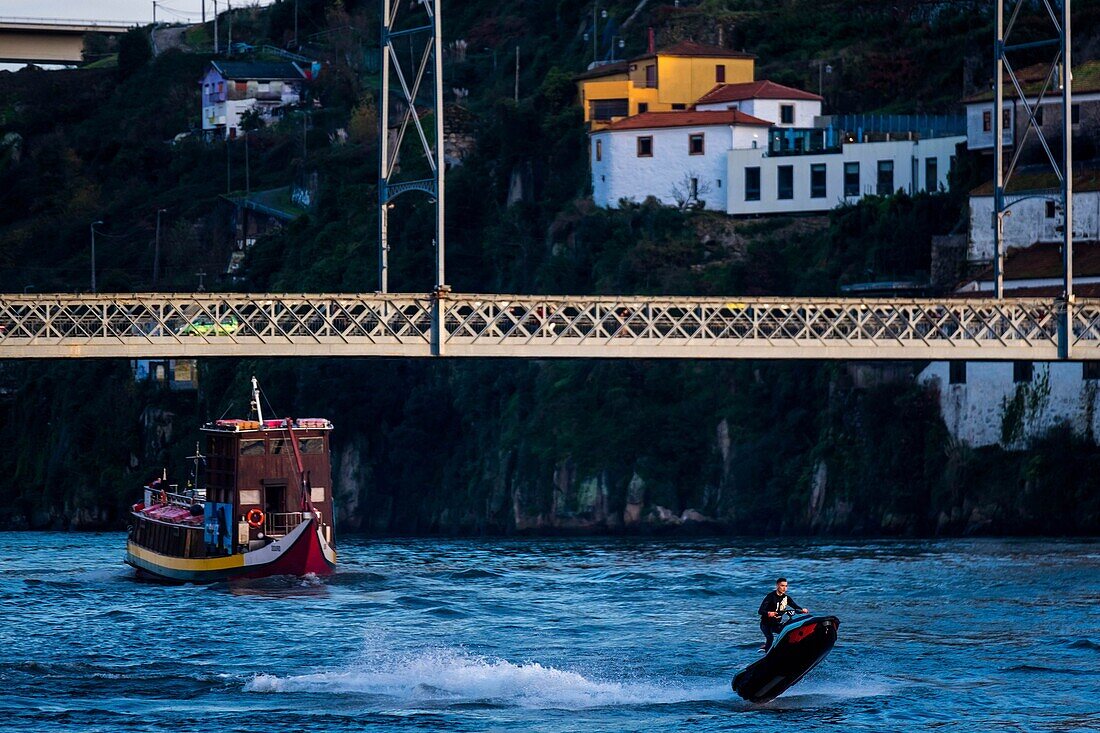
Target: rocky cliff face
{"points": [[870, 458]]}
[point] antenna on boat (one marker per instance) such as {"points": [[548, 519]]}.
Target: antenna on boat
{"points": [[256, 401], [196, 459]]}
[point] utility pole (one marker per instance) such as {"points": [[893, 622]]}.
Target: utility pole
{"points": [[295, 24], [517, 75], [154, 12], [201, 274], [247, 179], [204, 12], [156, 249], [229, 39], [228, 162], [215, 27], [94, 223], [595, 33]]}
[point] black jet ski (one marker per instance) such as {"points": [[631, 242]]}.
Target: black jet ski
{"points": [[799, 647]]}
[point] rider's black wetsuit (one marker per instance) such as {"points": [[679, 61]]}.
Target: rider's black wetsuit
{"points": [[775, 603]]}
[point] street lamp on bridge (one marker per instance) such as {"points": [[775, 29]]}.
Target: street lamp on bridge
{"points": [[94, 223]]}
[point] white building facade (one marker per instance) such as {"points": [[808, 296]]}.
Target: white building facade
{"points": [[230, 89], [761, 182], [1012, 403], [1032, 219], [678, 158]]}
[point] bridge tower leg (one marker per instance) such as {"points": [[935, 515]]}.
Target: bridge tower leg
{"points": [[1058, 76], [416, 28]]}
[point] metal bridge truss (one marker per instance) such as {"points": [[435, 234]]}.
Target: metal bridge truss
{"points": [[208, 324]]}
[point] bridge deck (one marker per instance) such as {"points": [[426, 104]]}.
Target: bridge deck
{"points": [[213, 324]]}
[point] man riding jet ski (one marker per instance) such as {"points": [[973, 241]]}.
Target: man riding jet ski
{"points": [[796, 643]]}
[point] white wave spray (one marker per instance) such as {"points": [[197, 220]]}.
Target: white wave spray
{"points": [[447, 675]]}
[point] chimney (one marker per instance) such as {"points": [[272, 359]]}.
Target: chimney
{"points": [[651, 44]]}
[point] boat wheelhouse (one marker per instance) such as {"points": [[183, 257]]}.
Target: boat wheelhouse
{"points": [[260, 505]]}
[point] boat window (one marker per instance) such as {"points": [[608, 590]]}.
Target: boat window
{"points": [[250, 496], [312, 445], [252, 447]]}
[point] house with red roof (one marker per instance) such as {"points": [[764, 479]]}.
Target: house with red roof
{"points": [[678, 158], [784, 106]]}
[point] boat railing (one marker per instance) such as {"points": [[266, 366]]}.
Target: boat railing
{"points": [[280, 525], [171, 495]]}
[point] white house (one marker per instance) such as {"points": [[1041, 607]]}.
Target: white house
{"points": [[679, 158], [1085, 109], [824, 169], [1034, 217], [1010, 403], [232, 88], [781, 105]]}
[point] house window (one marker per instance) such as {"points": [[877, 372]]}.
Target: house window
{"points": [[987, 120], [720, 73], [599, 150], [956, 372], [885, 178], [1075, 114], [817, 181], [651, 76], [605, 109], [851, 179], [1090, 370], [784, 182], [1050, 209], [643, 107], [1022, 371], [752, 184], [695, 144], [786, 114], [645, 147], [931, 174], [679, 107], [1006, 119]]}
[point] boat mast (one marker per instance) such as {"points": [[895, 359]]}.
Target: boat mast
{"points": [[256, 401], [196, 460]]}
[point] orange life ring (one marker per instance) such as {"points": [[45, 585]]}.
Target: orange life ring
{"points": [[255, 518]]}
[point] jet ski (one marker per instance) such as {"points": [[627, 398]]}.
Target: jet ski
{"points": [[799, 646]]}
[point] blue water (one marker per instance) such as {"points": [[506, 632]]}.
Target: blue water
{"points": [[552, 635]]}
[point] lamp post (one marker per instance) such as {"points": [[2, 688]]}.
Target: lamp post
{"points": [[156, 249], [94, 223], [822, 69]]}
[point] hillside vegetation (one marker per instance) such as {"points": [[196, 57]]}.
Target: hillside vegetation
{"points": [[507, 446]]}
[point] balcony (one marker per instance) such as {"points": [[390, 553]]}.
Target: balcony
{"points": [[803, 141]]}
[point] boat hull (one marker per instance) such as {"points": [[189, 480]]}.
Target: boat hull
{"points": [[303, 551], [800, 647]]}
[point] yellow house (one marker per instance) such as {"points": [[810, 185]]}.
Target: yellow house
{"points": [[670, 79]]}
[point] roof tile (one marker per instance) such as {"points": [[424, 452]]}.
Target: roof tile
{"points": [[762, 89], [689, 118]]}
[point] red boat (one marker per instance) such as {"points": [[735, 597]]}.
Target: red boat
{"points": [[254, 508]]}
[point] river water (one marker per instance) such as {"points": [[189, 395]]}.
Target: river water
{"points": [[552, 635]]}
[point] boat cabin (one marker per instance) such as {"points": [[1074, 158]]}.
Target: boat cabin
{"points": [[254, 491]]}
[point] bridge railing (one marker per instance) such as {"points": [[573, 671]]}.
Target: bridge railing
{"points": [[209, 324]]}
